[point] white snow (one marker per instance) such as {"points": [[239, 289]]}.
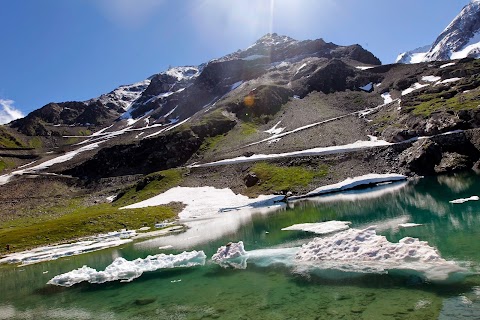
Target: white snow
{"points": [[124, 95], [254, 57], [431, 78], [414, 87], [111, 239], [360, 194], [275, 130], [459, 201], [350, 183], [184, 73], [167, 129], [387, 98], [368, 87], [300, 68], [44, 165], [126, 271], [236, 85], [356, 250], [111, 198], [359, 145], [203, 201], [364, 67], [447, 65], [320, 228], [463, 53], [451, 80]]}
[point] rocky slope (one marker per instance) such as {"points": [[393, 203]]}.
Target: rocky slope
{"points": [[460, 39], [278, 96]]}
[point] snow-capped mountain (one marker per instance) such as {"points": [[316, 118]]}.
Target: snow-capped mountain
{"points": [[460, 39]]}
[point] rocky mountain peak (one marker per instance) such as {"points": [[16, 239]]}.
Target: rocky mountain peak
{"points": [[460, 39]]}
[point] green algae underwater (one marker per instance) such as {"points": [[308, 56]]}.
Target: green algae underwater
{"points": [[276, 291]]}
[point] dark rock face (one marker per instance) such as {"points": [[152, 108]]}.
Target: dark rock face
{"points": [[452, 161], [422, 157], [150, 155]]}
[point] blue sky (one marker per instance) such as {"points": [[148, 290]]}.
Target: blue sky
{"points": [[65, 50]]}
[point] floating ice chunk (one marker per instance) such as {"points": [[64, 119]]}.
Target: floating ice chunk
{"points": [[409, 225], [350, 183], [274, 129], [431, 78], [472, 198], [320, 228], [231, 255], [364, 251], [126, 271]]}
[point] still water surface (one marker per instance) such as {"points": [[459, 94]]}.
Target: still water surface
{"points": [[276, 292]]}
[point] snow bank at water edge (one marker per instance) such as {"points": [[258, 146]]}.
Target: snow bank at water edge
{"points": [[205, 201], [320, 228], [126, 271], [350, 183], [368, 193], [366, 252], [48, 253]]}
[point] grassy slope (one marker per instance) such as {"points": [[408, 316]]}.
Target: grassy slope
{"points": [[79, 220]]}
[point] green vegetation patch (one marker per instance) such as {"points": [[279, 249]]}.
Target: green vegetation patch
{"points": [[6, 164], [248, 128], [211, 143], [438, 102], [84, 221], [35, 142], [9, 141], [150, 186], [274, 178]]}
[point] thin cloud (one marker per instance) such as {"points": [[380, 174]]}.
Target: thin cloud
{"points": [[8, 112], [128, 13]]}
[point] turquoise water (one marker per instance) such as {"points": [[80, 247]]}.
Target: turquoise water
{"points": [[276, 291]]}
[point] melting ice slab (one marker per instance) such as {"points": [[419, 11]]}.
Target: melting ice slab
{"points": [[364, 251], [320, 228], [231, 255], [350, 183], [126, 271]]}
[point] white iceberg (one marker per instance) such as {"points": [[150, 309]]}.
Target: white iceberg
{"points": [[231, 255], [364, 251], [126, 271], [320, 228]]}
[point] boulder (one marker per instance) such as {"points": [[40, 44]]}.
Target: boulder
{"points": [[422, 157], [452, 161], [251, 179]]}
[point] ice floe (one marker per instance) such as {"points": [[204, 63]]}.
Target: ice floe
{"points": [[47, 253], [231, 255], [364, 251], [410, 225], [458, 201], [320, 228], [350, 183], [126, 271]]}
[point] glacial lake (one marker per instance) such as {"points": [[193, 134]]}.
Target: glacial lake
{"points": [[276, 291]]}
